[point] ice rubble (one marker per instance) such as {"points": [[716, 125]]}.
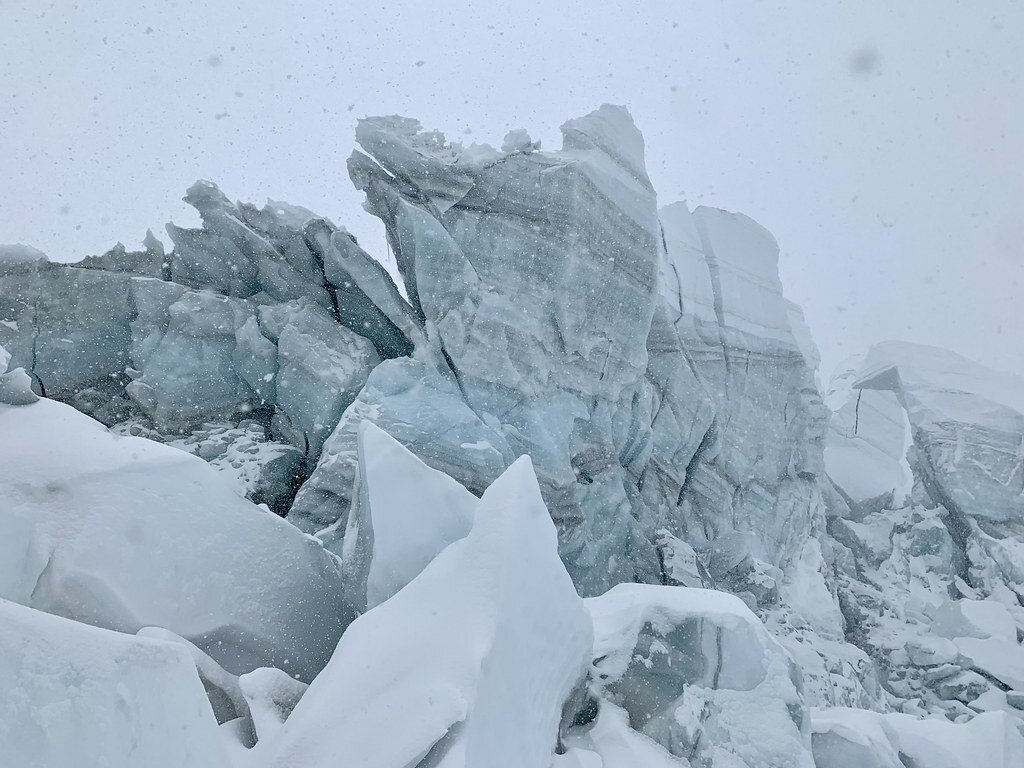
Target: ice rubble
{"points": [[124, 532], [472, 660], [77, 695], [646, 359]]}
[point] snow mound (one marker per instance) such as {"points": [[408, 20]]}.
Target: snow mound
{"points": [[122, 532], [472, 660], [77, 695]]}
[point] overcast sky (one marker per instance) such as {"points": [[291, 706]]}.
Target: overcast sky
{"points": [[881, 142]]}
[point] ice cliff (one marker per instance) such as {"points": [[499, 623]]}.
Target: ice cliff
{"points": [[699, 564]]}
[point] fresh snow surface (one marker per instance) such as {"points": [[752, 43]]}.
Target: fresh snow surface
{"points": [[470, 663], [75, 696], [123, 533]]}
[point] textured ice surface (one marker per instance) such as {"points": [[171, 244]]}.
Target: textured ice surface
{"points": [[67, 327], [403, 515], [535, 276], [241, 317], [471, 661], [77, 695], [698, 673], [123, 532]]}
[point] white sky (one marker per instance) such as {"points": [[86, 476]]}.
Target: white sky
{"points": [[881, 142]]}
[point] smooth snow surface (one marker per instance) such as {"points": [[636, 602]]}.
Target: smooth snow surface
{"points": [[469, 663], [123, 533], [75, 695]]}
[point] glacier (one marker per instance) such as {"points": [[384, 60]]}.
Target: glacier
{"points": [[568, 494]]}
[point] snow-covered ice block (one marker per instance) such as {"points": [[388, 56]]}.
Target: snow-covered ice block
{"points": [[697, 672], [468, 665], [968, 424], [16, 385], [404, 513], [75, 695], [684, 277], [867, 439], [851, 738], [124, 532]]}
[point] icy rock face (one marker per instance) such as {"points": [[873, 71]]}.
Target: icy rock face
{"points": [[189, 374], [649, 366], [321, 368], [123, 533], [403, 514], [735, 468], [736, 370], [79, 695], [698, 673], [473, 658]]}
